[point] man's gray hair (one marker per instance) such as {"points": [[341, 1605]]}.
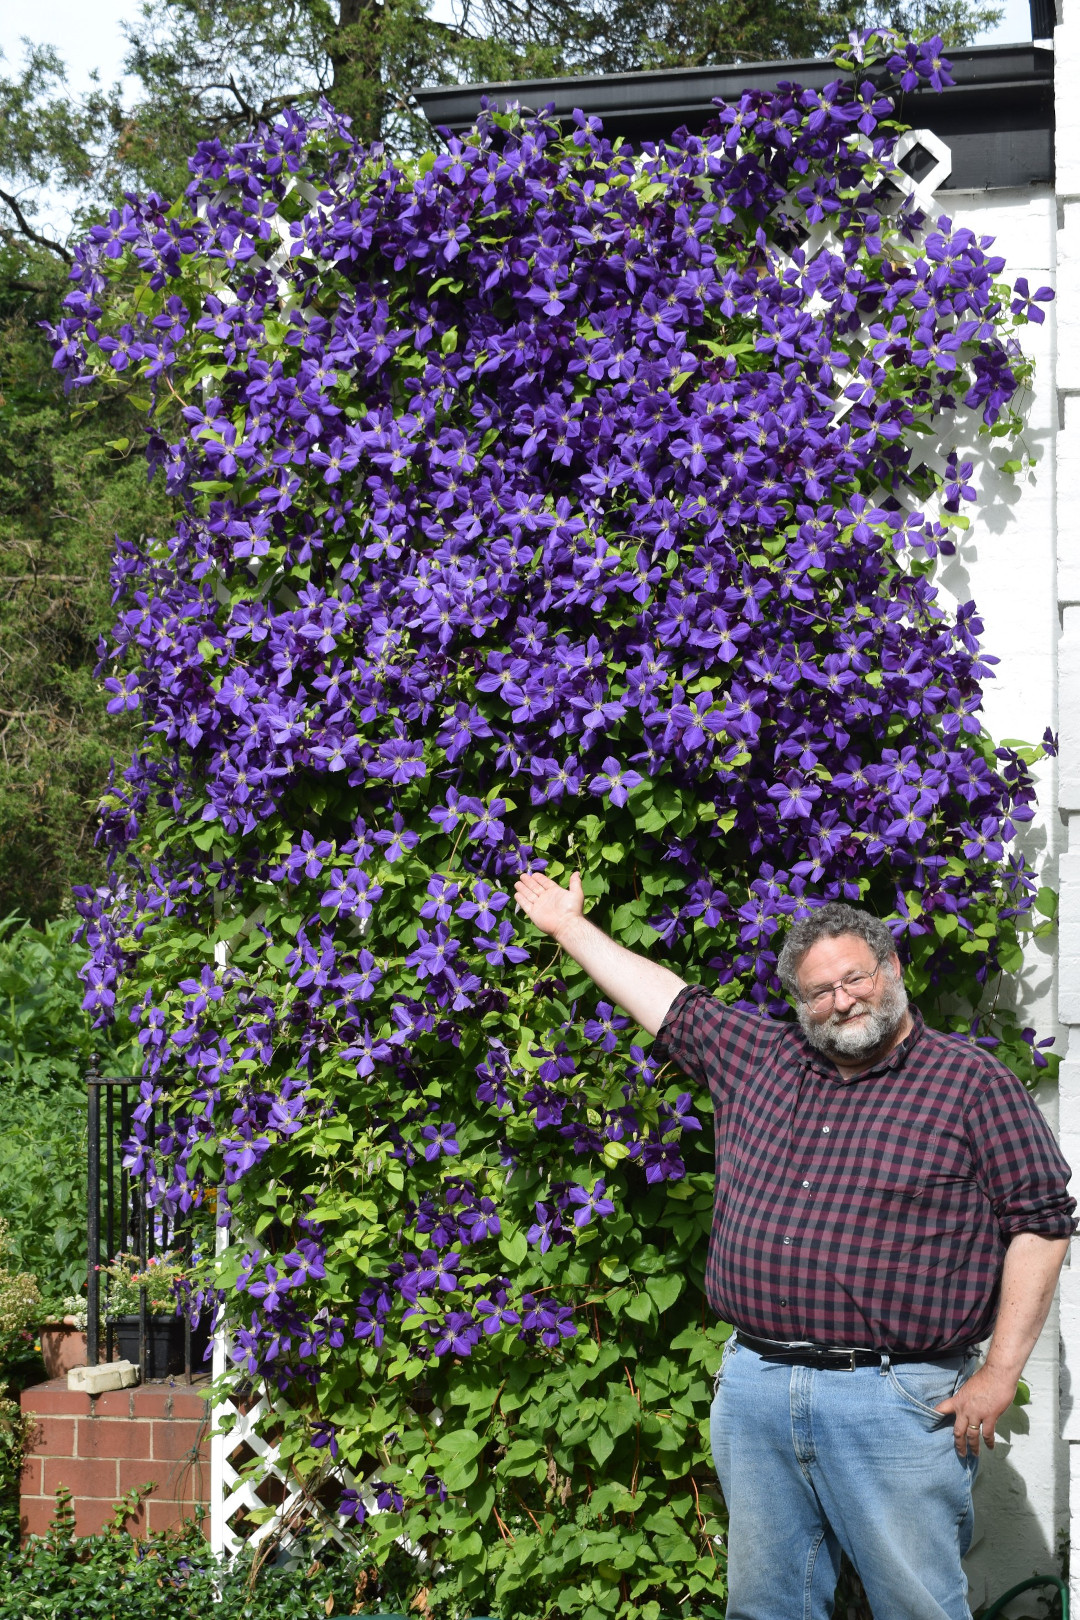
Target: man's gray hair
{"points": [[829, 922]]}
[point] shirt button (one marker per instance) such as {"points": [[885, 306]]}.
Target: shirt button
{"points": [[825, 1130], [787, 1240], [783, 1302], [806, 1184]]}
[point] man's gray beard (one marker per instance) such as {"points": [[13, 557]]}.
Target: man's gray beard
{"points": [[839, 1039]]}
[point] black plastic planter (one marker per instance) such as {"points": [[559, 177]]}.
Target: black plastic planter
{"points": [[164, 1344]]}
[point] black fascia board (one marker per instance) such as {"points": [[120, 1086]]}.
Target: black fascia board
{"points": [[998, 118]]}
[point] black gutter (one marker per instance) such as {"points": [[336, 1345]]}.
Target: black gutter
{"points": [[998, 118]]}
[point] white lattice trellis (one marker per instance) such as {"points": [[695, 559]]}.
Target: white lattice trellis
{"points": [[238, 1490]]}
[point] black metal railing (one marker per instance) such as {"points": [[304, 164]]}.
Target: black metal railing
{"points": [[118, 1210]]}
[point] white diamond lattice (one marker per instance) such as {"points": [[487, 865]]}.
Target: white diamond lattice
{"points": [[235, 1497], [928, 451]]}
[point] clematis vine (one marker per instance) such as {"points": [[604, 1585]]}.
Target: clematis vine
{"points": [[540, 504]]}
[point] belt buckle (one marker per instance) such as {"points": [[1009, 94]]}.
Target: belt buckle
{"points": [[851, 1361]]}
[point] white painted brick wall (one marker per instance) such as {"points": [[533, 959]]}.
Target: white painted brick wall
{"points": [[1067, 102], [1069, 710], [1067, 527], [1068, 486], [1012, 565]]}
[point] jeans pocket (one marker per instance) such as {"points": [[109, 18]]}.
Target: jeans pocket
{"points": [[922, 1384], [729, 1350]]}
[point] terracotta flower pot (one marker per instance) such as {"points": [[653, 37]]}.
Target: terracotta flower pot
{"points": [[63, 1346]]}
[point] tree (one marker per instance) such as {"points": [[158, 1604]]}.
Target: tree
{"points": [[71, 481], [224, 65], [213, 69]]}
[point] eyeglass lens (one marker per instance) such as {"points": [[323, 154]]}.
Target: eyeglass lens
{"points": [[853, 983]]}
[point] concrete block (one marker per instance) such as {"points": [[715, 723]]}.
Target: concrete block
{"points": [[1068, 921], [1066, 313], [1069, 989], [1068, 1086], [109, 1375], [1069, 712], [1067, 104], [1069, 1143], [1069, 1372], [1068, 501]]}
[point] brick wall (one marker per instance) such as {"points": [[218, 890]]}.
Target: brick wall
{"points": [[99, 1446]]}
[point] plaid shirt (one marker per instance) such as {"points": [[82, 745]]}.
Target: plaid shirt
{"points": [[872, 1212]]}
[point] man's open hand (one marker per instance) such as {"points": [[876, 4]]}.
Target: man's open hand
{"points": [[976, 1407], [547, 904]]}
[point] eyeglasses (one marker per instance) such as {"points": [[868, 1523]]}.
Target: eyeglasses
{"points": [[857, 984]]}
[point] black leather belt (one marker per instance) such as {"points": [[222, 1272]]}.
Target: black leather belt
{"points": [[801, 1354]]}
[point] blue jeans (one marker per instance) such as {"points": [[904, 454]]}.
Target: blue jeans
{"points": [[812, 1463]]}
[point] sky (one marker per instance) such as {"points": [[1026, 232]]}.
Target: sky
{"points": [[85, 32], [87, 35]]}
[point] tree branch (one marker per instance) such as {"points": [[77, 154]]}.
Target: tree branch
{"points": [[28, 230], [22, 579], [245, 105]]}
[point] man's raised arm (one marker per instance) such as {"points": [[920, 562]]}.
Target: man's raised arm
{"points": [[645, 989]]}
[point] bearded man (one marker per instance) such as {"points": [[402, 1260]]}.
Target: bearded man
{"points": [[886, 1198]]}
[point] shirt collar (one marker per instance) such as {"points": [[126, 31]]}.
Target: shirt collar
{"points": [[896, 1059]]}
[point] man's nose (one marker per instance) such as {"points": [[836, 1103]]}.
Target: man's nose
{"points": [[843, 999]]}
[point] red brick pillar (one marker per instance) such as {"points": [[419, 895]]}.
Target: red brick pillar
{"points": [[99, 1446]]}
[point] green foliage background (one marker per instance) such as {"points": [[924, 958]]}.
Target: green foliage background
{"points": [[46, 1043], [65, 495]]}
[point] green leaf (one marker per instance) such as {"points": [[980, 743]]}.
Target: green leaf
{"points": [[514, 1248], [664, 1290], [601, 1444], [621, 1412]]}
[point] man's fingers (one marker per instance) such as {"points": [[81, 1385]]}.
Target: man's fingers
{"points": [[965, 1437], [988, 1432]]}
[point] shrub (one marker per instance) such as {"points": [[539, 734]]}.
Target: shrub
{"points": [[544, 504], [20, 1311], [174, 1577]]}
